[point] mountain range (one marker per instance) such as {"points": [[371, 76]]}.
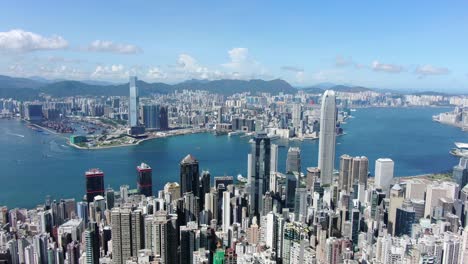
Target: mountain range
{"points": [[31, 88]]}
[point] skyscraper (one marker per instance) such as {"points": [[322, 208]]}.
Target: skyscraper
{"points": [[133, 103], [383, 173], [163, 118], [296, 115], [405, 218], [260, 179], [94, 184], [460, 172], [274, 158], [226, 211], [327, 138], [205, 184], [127, 234], [345, 177], [150, 116], [92, 244], [293, 160], [165, 244], [145, 179], [189, 176]]}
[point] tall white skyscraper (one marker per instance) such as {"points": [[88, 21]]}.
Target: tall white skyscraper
{"points": [[327, 138], [133, 103], [274, 158], [383, 173], [226, 211]]}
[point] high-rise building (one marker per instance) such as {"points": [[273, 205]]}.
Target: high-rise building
{"points": [[383, 173], [226, 211], [163, 118], [205, 185], [296, 115], [360, 170], [133, 102], [91, 236], [274, 158], [94, 184], [345, 178], [127, 234], [405, 218], [145, 179], [33, 112], [189, 176], [150, 116], [260, 179], [293, 160], [187, 242], [460, 172], [110, 198], [397, 197], [165, 239], [327, 138]]}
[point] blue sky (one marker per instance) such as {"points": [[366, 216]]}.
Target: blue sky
{"points": [[419, 45]]}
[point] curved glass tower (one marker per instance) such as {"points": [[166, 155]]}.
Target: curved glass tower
{"points": [[327, 138]]}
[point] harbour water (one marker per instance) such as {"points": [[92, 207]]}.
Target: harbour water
{"points": [[34, 165]]}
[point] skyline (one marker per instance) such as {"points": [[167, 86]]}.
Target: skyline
{"points": [[397, 46]]}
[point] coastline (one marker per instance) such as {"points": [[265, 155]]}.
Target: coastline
{"points": [[180, 132], [41, 127]]}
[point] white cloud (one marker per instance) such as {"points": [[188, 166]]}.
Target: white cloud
{"points": [[300, 77], [155, 73], [384, 67], [115, 71], [109, 46], [19, 40], [427, 69], [242, 66]]}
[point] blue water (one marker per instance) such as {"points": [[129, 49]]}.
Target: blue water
{"points": [[33, 164]]}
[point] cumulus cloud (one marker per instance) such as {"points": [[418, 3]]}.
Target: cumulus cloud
{"points": [[109, 46], [427, 69], [242, 66], [18, 40], [115, 71], [385, 67], [155, 73]]}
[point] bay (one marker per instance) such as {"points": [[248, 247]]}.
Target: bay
{"points": [[34, 164]]}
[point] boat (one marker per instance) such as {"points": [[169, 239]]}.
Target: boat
{"points": [[234, 133], [352, 110], [461, 150]]}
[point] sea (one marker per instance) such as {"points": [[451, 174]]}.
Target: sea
{"points": [[34, 165]]}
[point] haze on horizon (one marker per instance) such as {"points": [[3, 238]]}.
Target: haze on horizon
{"points": [[415, 45]]}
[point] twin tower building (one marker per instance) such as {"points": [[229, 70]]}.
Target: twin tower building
{"points": [[95, 182]]}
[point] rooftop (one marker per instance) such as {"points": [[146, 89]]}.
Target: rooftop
{"points": [[189, 159]]}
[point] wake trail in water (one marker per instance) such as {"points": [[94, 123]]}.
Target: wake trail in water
{"points": [[13, 134]]}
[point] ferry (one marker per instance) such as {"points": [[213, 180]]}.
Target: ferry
{"points": [[461, 150]]}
